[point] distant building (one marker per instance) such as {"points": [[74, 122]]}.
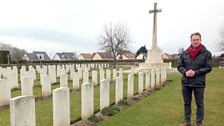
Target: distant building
{"points": [[102, 56], [36, 56], [85, 56], [175, 56], [143, 51], [142, 56], [125, 54], [30, 57], [65, 56]]}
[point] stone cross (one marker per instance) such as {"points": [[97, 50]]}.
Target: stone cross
{"points": [[154, 33]]}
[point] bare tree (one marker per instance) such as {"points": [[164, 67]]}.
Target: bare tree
{"points": [[114, 39], [220, 45], [15, 53]]}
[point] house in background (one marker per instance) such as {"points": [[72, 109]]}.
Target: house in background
{"points": [[125, 55], [30, 57], [36, 56], [141, 53], [102, 56], [142, 56], [175, 56], [166, 56], [65, 56], [85, 56]]}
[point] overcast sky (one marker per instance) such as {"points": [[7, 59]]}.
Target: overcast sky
{"points": [[74, 25]]}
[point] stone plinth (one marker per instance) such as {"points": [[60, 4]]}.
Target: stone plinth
{"points": [[22, 111], [154, 56], [154, 60]]}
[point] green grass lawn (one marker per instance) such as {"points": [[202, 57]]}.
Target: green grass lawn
{"points": [[165, 107], [162, 108]]}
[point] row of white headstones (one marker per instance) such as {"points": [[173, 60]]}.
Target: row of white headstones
{"points": [[48, 75], [22, 108]]}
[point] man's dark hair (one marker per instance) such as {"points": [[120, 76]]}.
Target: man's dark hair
{"points": [[196, 33]]}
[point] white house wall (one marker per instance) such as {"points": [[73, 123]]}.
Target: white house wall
{"points": [[81, 57], [97, 57], [56, 57], [140, 56]]}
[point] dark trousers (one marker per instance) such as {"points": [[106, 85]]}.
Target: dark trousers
{"points": [[199, 98]]}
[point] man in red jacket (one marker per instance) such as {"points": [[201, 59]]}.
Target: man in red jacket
{"points": [[194, 64]]}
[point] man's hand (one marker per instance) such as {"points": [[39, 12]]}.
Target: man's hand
{"points": [[190, 73]]}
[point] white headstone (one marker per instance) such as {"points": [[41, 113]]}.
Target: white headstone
{"points": [[94, 77], [87, 100], [140, 82], [114, 74], [102, 74], [5, 92], [108, 74], [104, 93], [153, 79], [67, 68], [22, 72], [147, 80], [130, 85], [22, 111], [33, 72], [52, 74], [118, 89], [46, 85], [170, 65], [121, 72], [61, 107], [75, 81], [27, 86], [15, 69], [63, 80], [71, 73], [157, 77], [38, 68], [13, 80], [80, 73], [85, 76]]}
